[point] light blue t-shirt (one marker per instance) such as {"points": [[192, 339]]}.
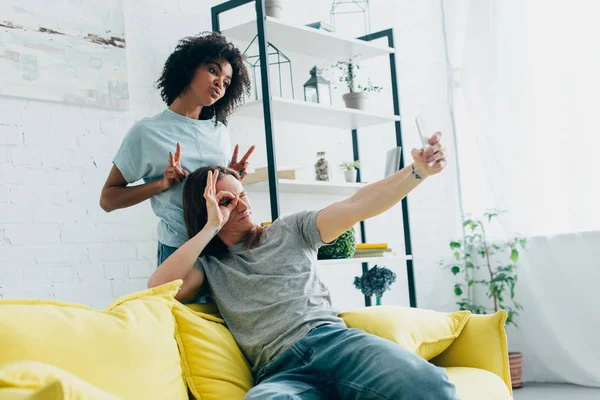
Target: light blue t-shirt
{"points": [[144, 154]]}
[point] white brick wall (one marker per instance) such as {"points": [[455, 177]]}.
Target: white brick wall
{"points": [[56, 242]]}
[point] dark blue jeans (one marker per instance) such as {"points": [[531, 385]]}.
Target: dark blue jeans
{"points": [[335, 362], [163, 253]]}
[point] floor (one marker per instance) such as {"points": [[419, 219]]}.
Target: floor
{"points": [[554, 391]]}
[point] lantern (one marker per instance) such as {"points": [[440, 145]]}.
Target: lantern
{"points": [[317, 89]]}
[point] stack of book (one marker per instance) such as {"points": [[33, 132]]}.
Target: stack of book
{"points": [[371, 250]]}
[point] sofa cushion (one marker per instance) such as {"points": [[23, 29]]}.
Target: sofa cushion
{"points": [[424, 332], [477, 384], [128, 350], [482, 344], [213, 365], [33, 380]]}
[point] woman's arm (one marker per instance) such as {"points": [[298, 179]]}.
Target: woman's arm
{"points": [[380, 196], [116, 194]]}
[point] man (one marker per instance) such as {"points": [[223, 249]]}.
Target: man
{"points": [[266, 286]]}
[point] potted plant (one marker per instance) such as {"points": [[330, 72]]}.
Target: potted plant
{"points": [[375, 281], [480, 262], [358, 94], [273, 8], [349, 169], [343, 247]]}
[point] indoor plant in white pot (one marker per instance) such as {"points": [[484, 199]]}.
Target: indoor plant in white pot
{"points": [[358, 94], [349, 169], [273, 8], [481, 263]]}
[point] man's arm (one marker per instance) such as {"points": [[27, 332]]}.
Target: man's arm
{"points": [[380, 196], [180, 265]]}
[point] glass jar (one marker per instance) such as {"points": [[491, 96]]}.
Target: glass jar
{"points": [[322, 170]]}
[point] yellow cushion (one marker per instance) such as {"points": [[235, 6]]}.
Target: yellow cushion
{"points": [[424, 332], [477, 384], [39, 381], [482, 344], [213, 365], [129, 350], [16, 394]]}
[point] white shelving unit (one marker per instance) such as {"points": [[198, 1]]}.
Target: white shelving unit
{"points": [[308, 41], [302, 112], [373, 260], [307, 187]]}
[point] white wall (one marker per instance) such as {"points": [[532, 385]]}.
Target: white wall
{"points": [[56, 242]]}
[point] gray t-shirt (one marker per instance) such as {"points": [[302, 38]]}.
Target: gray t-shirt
{"points": [[144, 154], [271, 297]]}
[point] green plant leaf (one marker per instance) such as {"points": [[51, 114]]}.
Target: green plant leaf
{"points": [[457, 255], [455, 245], [514, 255], [455, 270], [458, 290], [523, 242], [469, 264]]}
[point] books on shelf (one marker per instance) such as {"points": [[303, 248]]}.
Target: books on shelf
{"points": [[321, 25], [371, 250], [261, 174]]}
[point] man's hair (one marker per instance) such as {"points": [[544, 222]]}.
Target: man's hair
{"points": [[194, 51], [195, 212]]}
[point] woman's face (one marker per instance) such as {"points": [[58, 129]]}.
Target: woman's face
{"points": [[240, 220], [211, 81]]}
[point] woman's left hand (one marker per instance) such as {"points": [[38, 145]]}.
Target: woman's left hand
{"points": [[434, 155], [242, 165]]}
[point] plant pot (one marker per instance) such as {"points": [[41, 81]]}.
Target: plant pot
{"points": [[516, 369], [273, 8], [356, 100], [350, 175]]}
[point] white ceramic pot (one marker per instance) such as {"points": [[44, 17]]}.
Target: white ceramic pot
{"points": [[350, 175], [356, 100], [273, 8]]}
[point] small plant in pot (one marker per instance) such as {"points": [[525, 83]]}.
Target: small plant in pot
{"points": [[358, 94], [481, 263], [343, 247], [375, 281], [349, 169]]}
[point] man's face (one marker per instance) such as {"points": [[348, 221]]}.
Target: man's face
{"points": [[240, 220]]}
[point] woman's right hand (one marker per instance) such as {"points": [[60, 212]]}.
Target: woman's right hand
{"points": [[218, 205], [174, 173]]}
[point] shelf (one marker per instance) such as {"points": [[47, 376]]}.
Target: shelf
{"points": [[302, 112], [308, 41], [372, 260], [308, 187]]}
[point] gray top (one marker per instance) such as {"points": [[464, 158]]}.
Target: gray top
{"points": [[144, 154], [271, 297]]}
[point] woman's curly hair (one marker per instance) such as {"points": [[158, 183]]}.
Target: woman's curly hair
{"points": [[192, 52]]}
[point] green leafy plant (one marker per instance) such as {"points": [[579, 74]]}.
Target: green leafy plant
{"points": [[344, 247], [350, 165], [348, 73], [375, 281], [498, 260]]}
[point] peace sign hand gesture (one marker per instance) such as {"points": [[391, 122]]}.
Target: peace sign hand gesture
{"points": [[174, 173], [241, 166]]}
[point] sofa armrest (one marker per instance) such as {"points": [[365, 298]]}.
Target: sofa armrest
{"points": [[482, 344]]}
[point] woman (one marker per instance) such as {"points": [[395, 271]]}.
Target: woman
{"points": [[266, 286], [202, 81]]}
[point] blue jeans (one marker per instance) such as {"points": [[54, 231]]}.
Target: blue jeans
{"points": [[163, 252], [335, 362]]}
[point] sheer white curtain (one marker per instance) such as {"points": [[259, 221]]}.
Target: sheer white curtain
{"points": [[525, 78]]}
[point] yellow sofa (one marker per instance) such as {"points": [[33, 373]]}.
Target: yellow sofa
{"points": [[148, 346]]}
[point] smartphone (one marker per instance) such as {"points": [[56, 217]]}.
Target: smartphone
{"points": [[421, 127]]}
